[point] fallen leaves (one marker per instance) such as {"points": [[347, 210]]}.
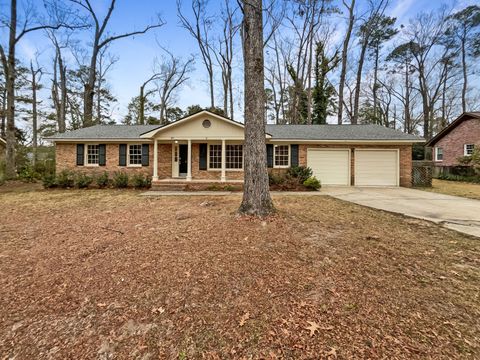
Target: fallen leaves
{"points": [[243, 319], [314, 327]]}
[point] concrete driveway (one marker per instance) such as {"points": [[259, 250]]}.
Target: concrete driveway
{"points": [[453, 212]]}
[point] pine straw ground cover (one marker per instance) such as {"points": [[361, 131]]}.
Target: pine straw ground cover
{"points": [[110, 274]]}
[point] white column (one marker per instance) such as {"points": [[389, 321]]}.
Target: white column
{"points": [[189, 161], [155, 160], [224, 156]]}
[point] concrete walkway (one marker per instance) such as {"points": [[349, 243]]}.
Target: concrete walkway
{"points": [[452, 212]]}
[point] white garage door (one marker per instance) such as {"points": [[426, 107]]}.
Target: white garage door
{"points": [[331, 167], [376, 167]]}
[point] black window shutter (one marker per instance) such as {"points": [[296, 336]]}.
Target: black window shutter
{"points": [[102, 155], [80, 154], [270, 155], [145, 155], [293, 155], [122, 155], [202, 161]]}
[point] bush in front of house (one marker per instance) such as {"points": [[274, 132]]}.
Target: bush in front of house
{"points": [[453, 177], [276, 179], [83, 181], [141, 181], [120, 179], [28, 174], [102, 180], [49, 181], [65, 179], [312, 183], [300, 173]]}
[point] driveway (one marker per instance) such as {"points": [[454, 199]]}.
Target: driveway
{"points": [[453, 212]]}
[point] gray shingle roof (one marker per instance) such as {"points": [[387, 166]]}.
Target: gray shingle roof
{"points": [[298, 132], [337, 132], [107, 132]]}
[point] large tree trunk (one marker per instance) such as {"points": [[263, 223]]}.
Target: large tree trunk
{"points": [[10, 85], [89, 87], [465, 78], [343, 72], [375, 78], [141, 105], [34, 116], [408, 121], [356, 100], [256, 194]]}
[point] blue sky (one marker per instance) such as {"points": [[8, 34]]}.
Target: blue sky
{"points": [[136, 54]]}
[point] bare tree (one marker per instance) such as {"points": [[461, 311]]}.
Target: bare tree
{"points": [[256, 194], [224, 55], [8, 62], [99, 41], [367, 29], [199, 29], [172, 73], [343, 72], [35, 78], [142, 98]]}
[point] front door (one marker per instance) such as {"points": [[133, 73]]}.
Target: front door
{"points": [[182, 161]]}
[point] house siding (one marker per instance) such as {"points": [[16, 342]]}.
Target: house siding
{"points": [[66, 159], [467, 132]]}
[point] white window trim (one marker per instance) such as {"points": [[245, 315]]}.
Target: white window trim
{"points": [[465, 149], [275, 166], [85, 155], [128, 155], [226, 168], [436, 154]]}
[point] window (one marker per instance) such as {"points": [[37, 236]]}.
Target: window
{"points": [[438, 154], [468, 149], [234, 158], [215, 157], [92, 154], [135, 154], [281, 156]]}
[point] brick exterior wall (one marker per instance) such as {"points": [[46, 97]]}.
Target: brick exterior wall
{"points": [[66, 159], [467, 132]]}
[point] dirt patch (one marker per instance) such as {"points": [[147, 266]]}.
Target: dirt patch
{"points": [[110, 274]]}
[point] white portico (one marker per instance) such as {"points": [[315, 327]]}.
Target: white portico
{"points": [[203, 146]]}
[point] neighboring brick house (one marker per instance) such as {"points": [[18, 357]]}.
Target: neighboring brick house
{"points": [[205, 148], [456, 140]]}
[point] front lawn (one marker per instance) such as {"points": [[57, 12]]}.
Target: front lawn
{"points": [[110, 274], [456, 188]]}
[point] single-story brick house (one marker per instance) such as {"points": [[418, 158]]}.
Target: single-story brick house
{"points": [[456, 140], [206, 147]]}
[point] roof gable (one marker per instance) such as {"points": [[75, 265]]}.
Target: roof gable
{"points": [[453, 125], [201, 125]]}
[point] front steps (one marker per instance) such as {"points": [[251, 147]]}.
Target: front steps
{"points": [[196, 185]]}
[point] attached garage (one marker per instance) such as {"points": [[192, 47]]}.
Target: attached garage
{"points": [[330, 166], [376, 167]]}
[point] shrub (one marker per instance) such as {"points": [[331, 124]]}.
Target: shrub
{"points": [[83, 181], [312, 183], [276, 179], [301, 173], [120, 179], [65, 179], [140, 181], [28, 174], [102, 180], [49, 181]]}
